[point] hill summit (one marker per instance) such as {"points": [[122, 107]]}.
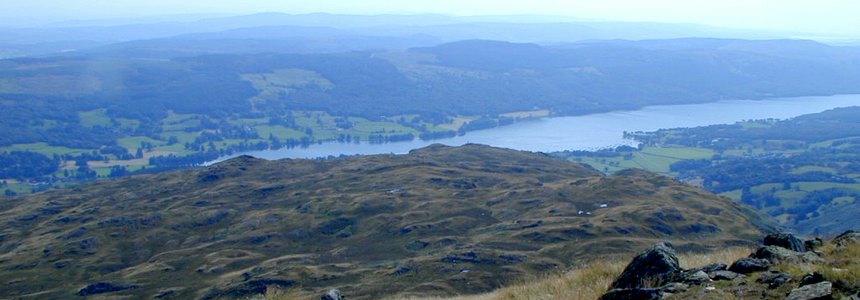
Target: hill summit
{"points": [[437, 221]]}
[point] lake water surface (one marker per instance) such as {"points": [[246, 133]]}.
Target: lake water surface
{"points": [[589, 132]]}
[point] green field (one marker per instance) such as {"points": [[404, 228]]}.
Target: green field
{"points": [[94, 118], [176, 134], [43, 148], [655, 159], [280, 132]]}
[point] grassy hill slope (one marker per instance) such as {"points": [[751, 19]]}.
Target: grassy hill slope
{"points": [[438, 221]]}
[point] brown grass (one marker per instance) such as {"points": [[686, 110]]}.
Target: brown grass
{"points": [[592, 280], [291, 294], [726, 256], [588, 282], [842, 267]]}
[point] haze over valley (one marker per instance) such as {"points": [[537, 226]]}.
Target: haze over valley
{"points": [[403, 150]]}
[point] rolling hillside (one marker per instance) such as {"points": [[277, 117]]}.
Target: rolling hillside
{"points": [[438, 221]]}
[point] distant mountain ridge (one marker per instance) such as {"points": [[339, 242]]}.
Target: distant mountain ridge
{"points": [[76, 36], [437, 221]]}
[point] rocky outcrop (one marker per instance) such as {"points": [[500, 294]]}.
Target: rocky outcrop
{"points": [[714, 268], [776, 255], [659, 276], [655, 274], [633, 294], [748, 265], [847, 238], [818, 291], [249, 288], [724, 275], [657, 266], [774, 279], [813, 244], [332, 294], [812, 278], [104, 287], [785, 240], [695, 277]]}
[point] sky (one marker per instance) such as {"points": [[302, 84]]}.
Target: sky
{"points": [[837, 17]]}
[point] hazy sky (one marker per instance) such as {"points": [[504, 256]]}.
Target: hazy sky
{"points": [[823, 16]]}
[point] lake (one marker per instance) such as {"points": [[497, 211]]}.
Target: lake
{"points": [[589, 132]]}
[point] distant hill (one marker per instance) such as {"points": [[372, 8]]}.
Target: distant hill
{"points": [[21, 41], [438, 221], [803, 171], [112, 110]]}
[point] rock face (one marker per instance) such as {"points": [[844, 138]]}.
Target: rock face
{"points": [[748, 265], [785, 240], [818, 291], [104, 287], [633, 294], [657, 266], [776, 255]]}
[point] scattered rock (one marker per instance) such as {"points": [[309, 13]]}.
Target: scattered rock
{"points": [[334, 226], [813, 244], [332, 294], [847, 238], [775, 254], [818, 291], [633, 294], [812, 278], [774, 279], [417, 245], [165, 294], [657, 265], [724, 275], [695, 278], [401, 271], [748, 265], [675, 288], [785, 240], [714, 267], [248, 288], [104, 287]]}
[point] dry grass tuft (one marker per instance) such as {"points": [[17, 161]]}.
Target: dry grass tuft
{"points": [[843, 267], [291, 294], [590, 281], [726, 256]]}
